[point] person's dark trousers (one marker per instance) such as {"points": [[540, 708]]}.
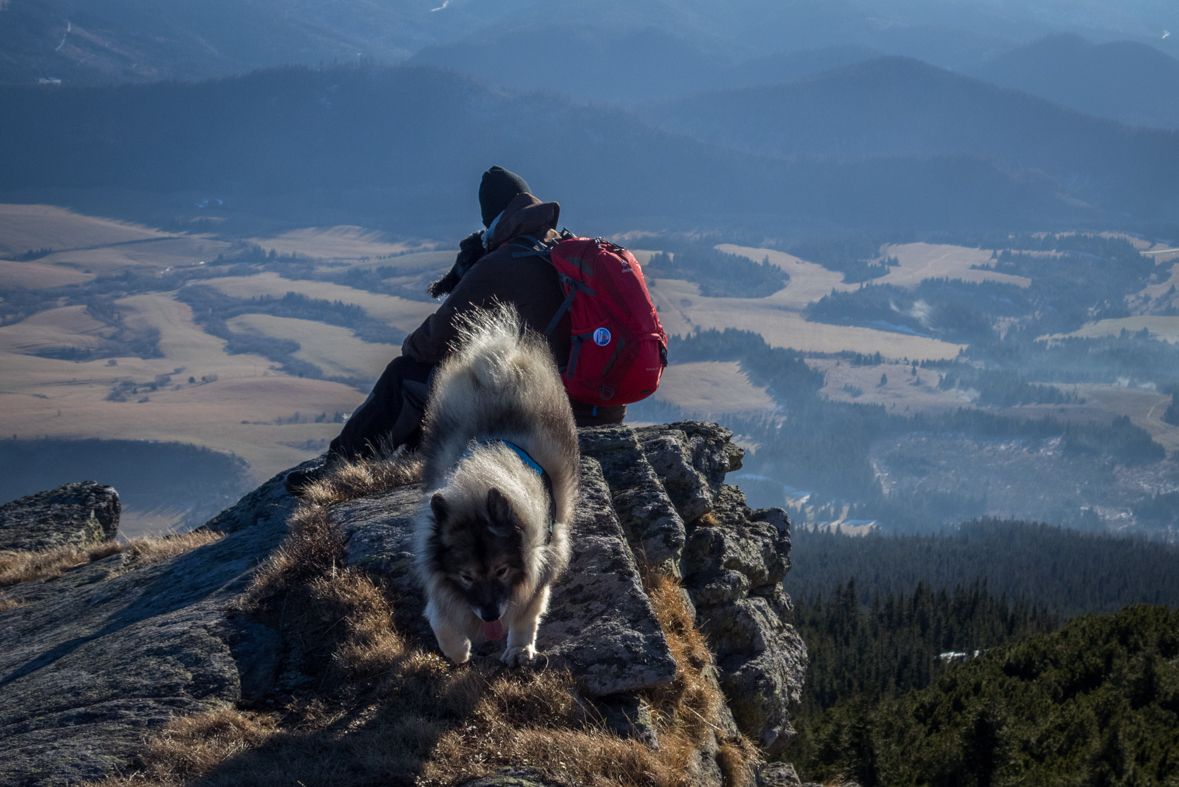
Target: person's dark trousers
{"points": [[392, 414]]}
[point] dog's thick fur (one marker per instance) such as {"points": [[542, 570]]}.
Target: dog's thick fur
{"points": [[484, 550]]}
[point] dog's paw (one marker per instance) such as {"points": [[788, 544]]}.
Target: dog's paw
{"points": [[458, 654], [518, 657]]}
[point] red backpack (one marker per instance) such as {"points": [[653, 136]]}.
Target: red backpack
{"points": [[619, 347]]}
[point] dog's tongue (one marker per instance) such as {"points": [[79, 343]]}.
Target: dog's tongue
{"points": [[493, 630]]}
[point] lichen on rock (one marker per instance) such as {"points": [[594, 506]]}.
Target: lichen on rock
{"points": [[74, 515]]}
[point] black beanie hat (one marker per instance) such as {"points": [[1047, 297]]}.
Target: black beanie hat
{"points": [[499, 187]]}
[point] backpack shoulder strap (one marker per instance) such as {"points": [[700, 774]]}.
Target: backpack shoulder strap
{"points": [[530, 246]]}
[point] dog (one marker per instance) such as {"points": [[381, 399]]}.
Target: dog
{"points": [[500, 465]]}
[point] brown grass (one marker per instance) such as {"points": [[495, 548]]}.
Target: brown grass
{"points": [[11, 603], [385, 710], [24, 565], [145, 551]]}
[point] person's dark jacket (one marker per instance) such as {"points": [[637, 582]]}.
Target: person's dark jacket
{"points": [[529, 283]]}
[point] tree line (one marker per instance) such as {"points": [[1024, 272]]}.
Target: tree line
{"points": [[1094, 703], [718, 274], [211, 309], [1069, 572]]}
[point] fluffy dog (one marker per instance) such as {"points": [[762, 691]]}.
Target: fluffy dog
{"points": [[500, 465]]}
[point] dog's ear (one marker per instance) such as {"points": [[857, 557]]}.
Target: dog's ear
{"points": [[439, 506], [499, 511]]}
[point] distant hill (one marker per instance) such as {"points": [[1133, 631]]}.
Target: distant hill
{"points": [[403, 147], [894, 106], [789, 66], [610, 65], [136, 40], [1125, 81], [587, 63]]}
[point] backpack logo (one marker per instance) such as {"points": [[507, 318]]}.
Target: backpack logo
{"points": [[601, 337]]}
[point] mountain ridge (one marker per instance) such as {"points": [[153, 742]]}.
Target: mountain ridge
{"points": [[1125, 81], [895, 106], [409, 142]]}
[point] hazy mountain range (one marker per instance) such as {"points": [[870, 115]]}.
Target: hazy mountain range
{"points": [[140, 40], [755, 116], [404, 145], [1123, 80], [893, 106]]}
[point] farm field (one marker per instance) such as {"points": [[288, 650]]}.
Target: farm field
{"points": [[333, 349], [779, 319], [190, 389], [904, 391], [1165, 327], [920, 261], [712, 388], [398, 312], [345, 242], [26, 228]]}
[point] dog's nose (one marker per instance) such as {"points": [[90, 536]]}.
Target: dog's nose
{"points": [[490, 615]]}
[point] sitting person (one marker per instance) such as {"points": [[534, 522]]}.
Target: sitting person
{"points": [[484, 272]]}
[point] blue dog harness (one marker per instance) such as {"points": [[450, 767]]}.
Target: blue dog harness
{"points": [[532, 465]]}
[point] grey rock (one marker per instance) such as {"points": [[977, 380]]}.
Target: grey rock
{"points": [[691, 458], [711, 448], [778, 600], [515, 776], [686, 486], [600, 623], [733, 570], [778, 774], [732, 559], [75, 515], [260, 506], [703, 770], [744, 627], [99, 659], [762, 665], [762, 689], [627, 715], [652, 524]]}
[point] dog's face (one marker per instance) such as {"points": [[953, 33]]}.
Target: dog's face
{"points": [[481, 552]]}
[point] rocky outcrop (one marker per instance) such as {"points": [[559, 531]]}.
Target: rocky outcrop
{"points": [[652, 523], [74, 515], [732, 564], [691, 460], [100, 657]]}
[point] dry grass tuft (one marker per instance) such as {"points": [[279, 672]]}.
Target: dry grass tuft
{"points": [[692, 697], [191, 746], [707, 519], [11, 603], [145, 551], [387, 710], [25, 565], [738, 760], [348, 481]]}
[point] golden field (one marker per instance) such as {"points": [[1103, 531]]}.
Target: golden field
{"points": [[247, 405]]}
